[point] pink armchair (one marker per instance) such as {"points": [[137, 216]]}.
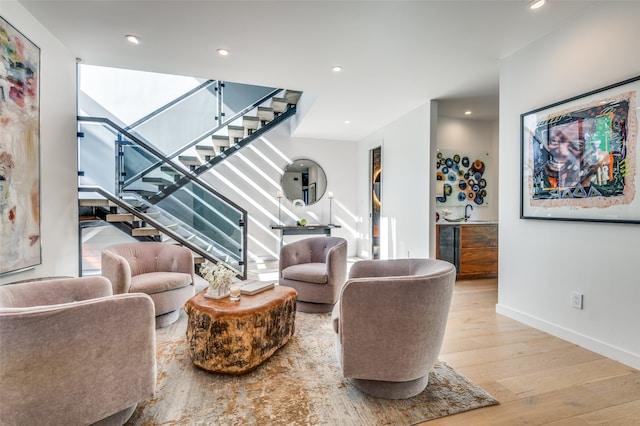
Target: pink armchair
{"points": [[72, 353], [163, 271], [390, 323], [317, 269]]}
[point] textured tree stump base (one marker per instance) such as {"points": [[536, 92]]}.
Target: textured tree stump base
{"points": [[236, 337]]}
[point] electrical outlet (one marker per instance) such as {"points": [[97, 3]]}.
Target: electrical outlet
{"points": [[576, 300]]}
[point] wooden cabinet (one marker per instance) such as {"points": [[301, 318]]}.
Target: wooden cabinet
{"points": [[472, 248]]}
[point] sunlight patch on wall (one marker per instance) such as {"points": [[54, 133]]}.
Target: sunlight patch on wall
{"points": [[263, 246], [276, 150], [342, 223], [352, 216], [270, 197], [267, 160], [244, 195], [275, 185]]}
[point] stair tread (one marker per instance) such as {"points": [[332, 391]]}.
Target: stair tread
{"points": [[151, 179], [220, 141], [189, 160], [236, 132], [170, 170], [265, 113], [292, 96], [144, 231], [120, 217], [250, 122], [94, 202], [279, 104]]}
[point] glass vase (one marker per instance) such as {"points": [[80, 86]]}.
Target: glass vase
{"points": [[218, 292]]}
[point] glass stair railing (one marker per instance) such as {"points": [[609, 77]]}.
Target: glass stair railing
{"points": [[159, 158], [198, 107], [203, 152], [239, 131], [195, 216]]}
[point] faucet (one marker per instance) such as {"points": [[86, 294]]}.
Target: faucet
{"points": [[467, 216]]}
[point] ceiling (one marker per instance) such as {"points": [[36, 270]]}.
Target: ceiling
{"points": [[396, 55]]}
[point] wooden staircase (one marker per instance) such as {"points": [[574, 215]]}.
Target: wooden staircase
{"points": [[233, 135], [170, 174], [96, 210]]}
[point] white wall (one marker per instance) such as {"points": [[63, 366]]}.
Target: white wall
{"points": [[251, 178], [542, 262], [469, 136], [406, 181], [58, 184]]}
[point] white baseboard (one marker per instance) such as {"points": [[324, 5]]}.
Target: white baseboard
{"points": [[602, 348]]}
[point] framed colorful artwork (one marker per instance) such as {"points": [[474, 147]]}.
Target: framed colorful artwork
{"points": [[461, 178], [579, 157], [19, 151]]}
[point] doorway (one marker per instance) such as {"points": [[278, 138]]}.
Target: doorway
{"points": [[375, 158]]}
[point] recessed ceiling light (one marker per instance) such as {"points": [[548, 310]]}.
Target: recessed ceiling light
{"points": [[222, 51], [133, 39], [347, 122], [467, 113], [336, 68], [535, 4]]}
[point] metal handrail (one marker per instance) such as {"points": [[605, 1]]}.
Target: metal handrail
{"points": [[224, 124], [164, 229], [169, 189], [161, 156], [205, 135]]}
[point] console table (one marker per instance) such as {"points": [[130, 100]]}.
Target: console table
{"points": [[302, 230]]}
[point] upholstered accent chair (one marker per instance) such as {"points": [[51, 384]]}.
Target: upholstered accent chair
{"points": [[317, 269], [390, 323], [72, 353], [163, 271]]}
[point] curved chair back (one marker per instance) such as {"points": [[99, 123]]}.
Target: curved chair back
{"points": [[73, 353], [392, 318], [164, 271], [317, 269], [146, 257]]}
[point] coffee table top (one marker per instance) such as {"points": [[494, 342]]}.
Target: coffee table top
{"points": [[248, 304]]}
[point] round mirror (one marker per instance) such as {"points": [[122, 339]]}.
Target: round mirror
{"points": [[304, 180]]}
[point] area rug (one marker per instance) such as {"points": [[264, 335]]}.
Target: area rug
{"points": [[299, 385]]}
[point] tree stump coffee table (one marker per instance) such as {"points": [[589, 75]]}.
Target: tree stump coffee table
{"points": [[235, 337]]}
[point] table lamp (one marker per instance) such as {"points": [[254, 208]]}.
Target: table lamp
{"points": [[279, 195], [330, 195]]}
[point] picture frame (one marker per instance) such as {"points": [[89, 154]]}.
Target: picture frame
{"points": [[312, 193], [578, 157], [19, 151]]}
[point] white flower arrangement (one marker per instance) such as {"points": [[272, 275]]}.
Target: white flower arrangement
{"points": [[218, 276]]}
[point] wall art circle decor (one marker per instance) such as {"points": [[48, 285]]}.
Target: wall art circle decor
{"points": [[464, 177]]}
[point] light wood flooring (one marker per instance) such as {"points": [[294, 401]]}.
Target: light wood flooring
{"points": [[538, 379]]}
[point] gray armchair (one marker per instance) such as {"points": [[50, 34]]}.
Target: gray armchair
{"points": [[71, 353], [317, 269], [390, 323], [163, 271]]}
